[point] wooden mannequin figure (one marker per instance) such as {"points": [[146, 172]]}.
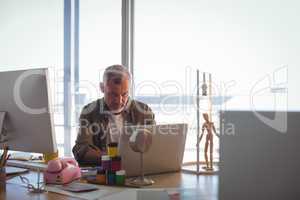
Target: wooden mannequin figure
{"points": [[209, 126]]}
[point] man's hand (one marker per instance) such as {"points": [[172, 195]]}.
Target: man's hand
{"points": [[93, 155]]}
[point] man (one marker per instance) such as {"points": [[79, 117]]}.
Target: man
{"points": [[102, 121]]}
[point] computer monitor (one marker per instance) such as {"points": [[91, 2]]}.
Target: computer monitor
{"points": [[26, 120], [259, 159]]}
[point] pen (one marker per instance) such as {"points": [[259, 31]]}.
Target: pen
{"points": [[2, 154], [3, 157], [6, 160]]}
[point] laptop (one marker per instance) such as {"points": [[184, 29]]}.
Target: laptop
{"points": [[259, 155], [164, 155]]}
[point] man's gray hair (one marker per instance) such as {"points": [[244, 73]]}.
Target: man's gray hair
{"points": [[116, 73]]}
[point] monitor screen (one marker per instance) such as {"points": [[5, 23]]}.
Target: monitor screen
{"points": [[26, 119]]}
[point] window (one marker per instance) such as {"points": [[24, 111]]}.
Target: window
{"points": [[31, 35], [99, 47], [239, 42]]}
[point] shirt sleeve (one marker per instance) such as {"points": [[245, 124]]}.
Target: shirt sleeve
{"points": [[84, 142], [143, 114]]}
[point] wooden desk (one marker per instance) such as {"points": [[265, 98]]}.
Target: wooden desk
{"points": [[190, 187]]}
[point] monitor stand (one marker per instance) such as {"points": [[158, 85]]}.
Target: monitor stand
{"points": [[2, 129]]}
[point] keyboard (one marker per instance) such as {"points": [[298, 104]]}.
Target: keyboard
{"points": [[14, 170], [33, 165]]}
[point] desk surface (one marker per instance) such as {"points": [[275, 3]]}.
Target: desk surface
{"points": [[190, 187]]}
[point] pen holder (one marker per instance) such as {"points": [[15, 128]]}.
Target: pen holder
{"points": [[2, 179], [50, 156]]}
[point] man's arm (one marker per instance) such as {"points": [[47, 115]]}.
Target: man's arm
{"points": [[85, 152], [142, 114], [149, 117]]}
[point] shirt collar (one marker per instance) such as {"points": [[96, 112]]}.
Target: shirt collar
{"points": [[103, 108]]}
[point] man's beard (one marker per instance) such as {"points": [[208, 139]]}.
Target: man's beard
{"points": [[119, 110]]}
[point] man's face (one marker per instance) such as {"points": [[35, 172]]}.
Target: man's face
{"points": [[116, 94]]}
